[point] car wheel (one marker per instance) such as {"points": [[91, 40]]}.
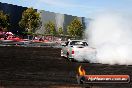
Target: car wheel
{"points": [[70, 59], [67, 56]]}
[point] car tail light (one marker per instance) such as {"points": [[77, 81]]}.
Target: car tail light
{"points": [[72, 51]]}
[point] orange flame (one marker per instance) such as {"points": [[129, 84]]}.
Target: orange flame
{"points": [[81, 71]]}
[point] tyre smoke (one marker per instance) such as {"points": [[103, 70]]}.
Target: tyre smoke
{"points": [[111, 35]]}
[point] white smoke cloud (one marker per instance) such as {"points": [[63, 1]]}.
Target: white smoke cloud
{"points": [[111, 35], [86, 54]]}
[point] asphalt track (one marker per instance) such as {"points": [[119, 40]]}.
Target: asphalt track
{"points": [[39, 67]]}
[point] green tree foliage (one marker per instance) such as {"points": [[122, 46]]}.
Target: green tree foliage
{"points": [[4, 21], [30, 20], [50, 28], [60, 31], [75, 28]]}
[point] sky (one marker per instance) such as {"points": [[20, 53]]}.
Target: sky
{"points": [[81, 8]]}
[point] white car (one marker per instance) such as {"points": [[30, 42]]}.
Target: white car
{"points": [[78, 50]]}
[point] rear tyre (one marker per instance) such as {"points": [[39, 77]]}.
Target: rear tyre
{"points": [[67, 56], [70, 59]]}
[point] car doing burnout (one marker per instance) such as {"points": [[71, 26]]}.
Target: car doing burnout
{"points": [[78, 50]]}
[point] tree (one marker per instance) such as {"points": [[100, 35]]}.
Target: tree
{"points": [[60, 31], [4, 21], [50, 28], [30, 20], [75, 29]]}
